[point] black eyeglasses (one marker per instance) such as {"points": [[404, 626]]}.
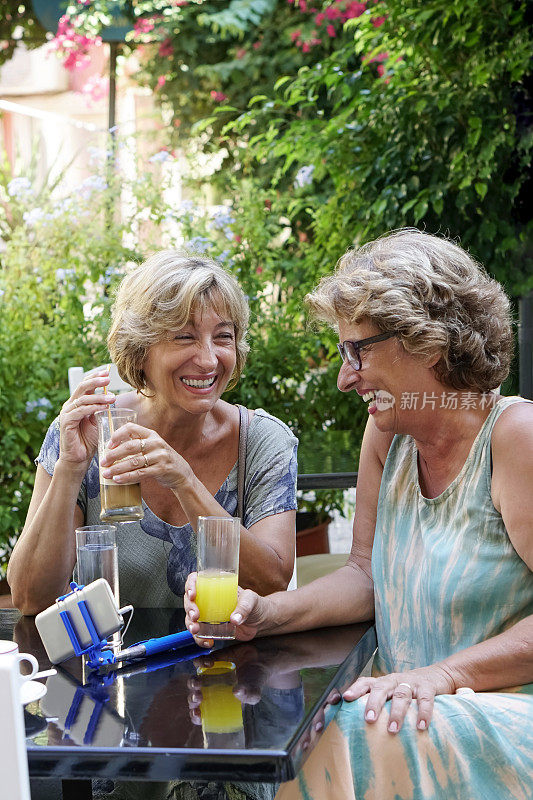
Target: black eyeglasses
{"points": [[351, 351]]}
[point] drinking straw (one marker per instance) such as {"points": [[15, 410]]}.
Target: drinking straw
{"points": [[109, 417]]}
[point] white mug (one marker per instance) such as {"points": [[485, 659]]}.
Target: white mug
{"points": [[11, 650]]}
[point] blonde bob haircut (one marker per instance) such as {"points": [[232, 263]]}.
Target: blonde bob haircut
{"points": [[434, 296], [160, 296]]}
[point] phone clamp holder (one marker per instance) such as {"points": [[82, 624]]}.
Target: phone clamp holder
{"points": [[98, 652]]}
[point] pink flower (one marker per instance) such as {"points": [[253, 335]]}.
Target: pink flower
{"points": [[355, 10], [303, 6], [96, 88], [332, 13], [218, 97], [295, 35], [161, 81], [144, 25], [241, 52], [306, 47], [256, 45], [319, 19], [331, 31], [4, 45], [378, 21], [259, 270], [166, 49], [381, 70]]}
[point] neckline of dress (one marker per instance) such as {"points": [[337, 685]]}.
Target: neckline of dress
{"points": [[470, 457]]}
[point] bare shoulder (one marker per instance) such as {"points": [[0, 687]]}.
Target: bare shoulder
{"points": [[377, 443], [513, 433], [512, 457]]}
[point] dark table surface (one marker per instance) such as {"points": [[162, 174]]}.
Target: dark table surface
{"points": [[158, 720]]}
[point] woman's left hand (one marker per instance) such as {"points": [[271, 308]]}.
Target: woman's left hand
{"points": [[421, 685], [135, 452]]}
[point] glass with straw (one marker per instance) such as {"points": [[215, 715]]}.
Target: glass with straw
{"points": [[119, 502]]}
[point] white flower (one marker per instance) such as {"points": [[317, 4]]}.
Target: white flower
{"points": [[18, 187], [304, 176]]}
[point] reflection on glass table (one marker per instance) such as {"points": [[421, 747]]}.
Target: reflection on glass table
{"points": [[183, 715]]}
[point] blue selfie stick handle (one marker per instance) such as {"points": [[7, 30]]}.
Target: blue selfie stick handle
{"points": [[159, 645], [171, 642]]}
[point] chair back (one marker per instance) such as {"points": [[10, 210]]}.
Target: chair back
{"points": [[117, 385]]}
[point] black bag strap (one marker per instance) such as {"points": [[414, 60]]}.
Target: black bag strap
{"points": [[241, 468]]}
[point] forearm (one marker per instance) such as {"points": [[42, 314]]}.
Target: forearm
{"points": [[502, 661], [340, 598], [260, 566], [43, 558]]}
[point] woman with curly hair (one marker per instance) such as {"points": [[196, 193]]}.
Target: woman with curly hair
{"points": [[442, 547]]}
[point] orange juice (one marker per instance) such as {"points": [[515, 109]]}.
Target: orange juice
{"points": [[216, 595], [220, 710]]}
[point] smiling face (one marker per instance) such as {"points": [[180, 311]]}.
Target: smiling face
{"points": [[192, 367], [387, 372]]}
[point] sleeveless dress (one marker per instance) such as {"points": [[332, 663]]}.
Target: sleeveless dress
{"points": [[446, 576]]}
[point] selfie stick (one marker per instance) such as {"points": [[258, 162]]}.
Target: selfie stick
{"points": [[88, 635]]}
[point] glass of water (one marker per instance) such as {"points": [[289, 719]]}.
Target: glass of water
{"points": [[96, 550]]}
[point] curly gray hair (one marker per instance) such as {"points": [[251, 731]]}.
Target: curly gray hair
{"points": [[434, 296]]}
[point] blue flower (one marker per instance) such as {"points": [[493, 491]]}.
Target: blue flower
{"points": [[160, 157], [33, 216], [18, 187], [304, 176], [61, 274], [94, 183], [221, 217], [199, 244]]}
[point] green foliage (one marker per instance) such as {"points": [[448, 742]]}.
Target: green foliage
{"points": [[63, 253], [18, 24]]}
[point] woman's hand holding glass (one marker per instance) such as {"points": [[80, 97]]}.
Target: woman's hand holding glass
{"points": [[401, 688], [135, 452], [78, 432], [250, 615]]}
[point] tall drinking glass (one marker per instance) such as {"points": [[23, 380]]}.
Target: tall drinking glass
{"points": [[218, 575], [120, 502], [97, 554]]}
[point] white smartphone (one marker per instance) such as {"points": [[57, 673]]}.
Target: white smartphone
{"points": [[104, 611]]}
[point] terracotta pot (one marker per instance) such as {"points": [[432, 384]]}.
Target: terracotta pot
{"points": [[311, 536]]}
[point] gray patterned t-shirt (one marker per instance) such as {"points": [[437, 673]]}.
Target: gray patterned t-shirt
{"points": [[156, 557]]}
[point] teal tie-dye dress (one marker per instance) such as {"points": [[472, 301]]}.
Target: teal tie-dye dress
{"points": [[446, 576]]}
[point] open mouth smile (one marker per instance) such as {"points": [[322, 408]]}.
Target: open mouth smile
{"points": [[199, 384], [379, 400]]}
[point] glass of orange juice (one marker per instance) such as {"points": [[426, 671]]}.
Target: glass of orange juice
{"points": [[218, 575]]}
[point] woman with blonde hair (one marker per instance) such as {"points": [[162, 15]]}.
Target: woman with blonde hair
{"points": [[442, 552], [178, 337]]}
